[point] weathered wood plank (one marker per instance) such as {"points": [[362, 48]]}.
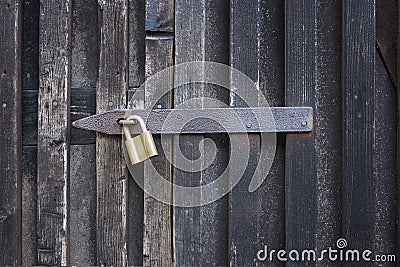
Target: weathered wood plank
{"points": [[301, 173], [30, 45], [137, 36], [201, 33], [136, 196], [272, 83], [384, 166], [328, 125], [85, 47], [157, 235], [111, 171], [160, 16], [83, 104], [10, 132], [83, 205], [29, 206], [137, 50], [53, 128], [244, 207], [359, 94]]}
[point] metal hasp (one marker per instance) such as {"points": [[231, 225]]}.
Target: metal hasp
{"points": [[208, 120]]}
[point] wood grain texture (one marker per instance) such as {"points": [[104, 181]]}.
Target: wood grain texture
{"points": [[189, 32], [328, 125], [245, 208], [359, 84], [157, 234], [137, 50], [29, 206], [137, 35], [10, 132], [300, 169], [30, 45], [271, 194], [84, 76], [83, 104], [384, 167], [200, 234], [160, 16], [83, 205], [53, 129], [111, 172]]}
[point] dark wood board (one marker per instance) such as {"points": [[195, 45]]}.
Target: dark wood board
{"points": [[359, 85], [10, 133], [137, 35], [328, 126], [29, 206], [53, 131], [385, 178], [30, 45], [200, 233], [271, 194], [83, 205], [157, 232], [300, 161], [245, 207], [111, 228]]}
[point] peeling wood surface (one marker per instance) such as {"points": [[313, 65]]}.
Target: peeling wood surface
{"points": [[112, 232], [10, 133], [53, 129]]}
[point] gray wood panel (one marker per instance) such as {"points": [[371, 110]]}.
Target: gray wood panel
{"points": [[10, 133], [29, 206], [300, 161], [328, 126], [53, 130], [111, 228], [359, 130], [245, 208], [201, 33], [157, 233]]}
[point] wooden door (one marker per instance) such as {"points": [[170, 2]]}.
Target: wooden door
{"points": [[67, 197]]}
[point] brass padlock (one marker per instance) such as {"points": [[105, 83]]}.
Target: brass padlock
{"points": [[140, 147]]}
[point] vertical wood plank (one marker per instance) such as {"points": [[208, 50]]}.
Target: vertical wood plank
{"points": [[83, 205], [301, 173], [272, 84], [200, 234], [137, 50], [29, 206], [245, 207], [384, 166], [189, 45], [328, 125], [84, 74], [10, 132], [110, 164], [30, 45], [137, 35], [157, 235], [53, 129], [359, 90]]}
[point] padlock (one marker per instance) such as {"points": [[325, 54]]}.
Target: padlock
{"points": [[141, 147]]}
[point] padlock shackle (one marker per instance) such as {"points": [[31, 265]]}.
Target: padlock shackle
{"points": [[138, 119]]}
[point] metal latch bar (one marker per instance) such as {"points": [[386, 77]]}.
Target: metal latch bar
{"points": [[208, 120]]}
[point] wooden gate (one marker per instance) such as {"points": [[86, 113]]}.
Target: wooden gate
{"points": [[66, 197]]}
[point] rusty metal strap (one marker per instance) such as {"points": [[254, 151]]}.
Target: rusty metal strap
{"points": [[201, 121]]}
